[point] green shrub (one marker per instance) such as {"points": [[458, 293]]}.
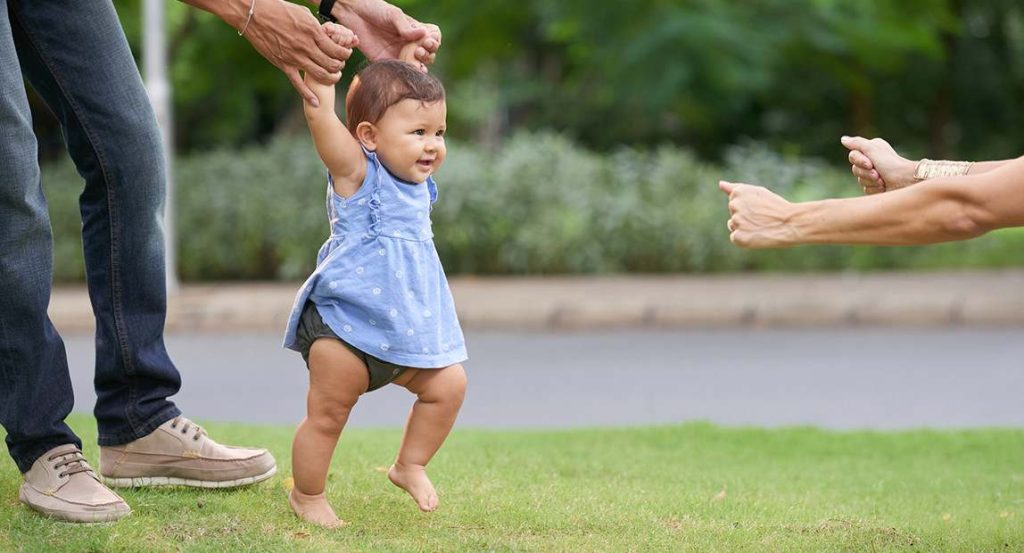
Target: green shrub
{"points": [[539, 205]]}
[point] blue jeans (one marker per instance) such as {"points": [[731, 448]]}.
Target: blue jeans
{"points": [[75, 55]]}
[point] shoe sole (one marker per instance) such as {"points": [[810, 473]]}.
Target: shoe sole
{"points": [[76, 517], [153, 481]]}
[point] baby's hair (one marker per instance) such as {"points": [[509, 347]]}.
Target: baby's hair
{"points": [[383, 84]]}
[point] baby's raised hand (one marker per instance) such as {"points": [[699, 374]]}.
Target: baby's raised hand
{"points": [[408, 55], [342, 36]]}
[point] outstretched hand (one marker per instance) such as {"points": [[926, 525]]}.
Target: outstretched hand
{"points": [[877, 166], [291, 38], [384, 30], [758, 218]]}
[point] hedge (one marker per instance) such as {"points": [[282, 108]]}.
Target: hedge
{"points": [[538, 205]]}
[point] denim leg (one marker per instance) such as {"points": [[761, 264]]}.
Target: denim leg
{"points": [[77, 58], [35, 390]]}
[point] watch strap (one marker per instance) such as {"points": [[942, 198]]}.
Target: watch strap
{"points": [[325, 11]]}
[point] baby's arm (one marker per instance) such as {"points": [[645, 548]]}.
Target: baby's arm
{"points": [[338, 149]]}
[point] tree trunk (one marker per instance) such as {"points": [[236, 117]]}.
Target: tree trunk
{"points": [[942, 106]]}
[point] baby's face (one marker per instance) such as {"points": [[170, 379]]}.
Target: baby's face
{"points": [[410, 139]]}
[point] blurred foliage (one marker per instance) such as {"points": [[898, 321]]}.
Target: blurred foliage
{"points": [[540, 204], [940, 78], [592, 133]]}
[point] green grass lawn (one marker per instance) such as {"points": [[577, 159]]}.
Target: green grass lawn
{"points": [[694, 487]]}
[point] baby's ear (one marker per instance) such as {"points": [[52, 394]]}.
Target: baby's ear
{"points": [[366, 134]]}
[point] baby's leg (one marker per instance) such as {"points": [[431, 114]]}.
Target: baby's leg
{"points": [[439, 396], [336, 380]]}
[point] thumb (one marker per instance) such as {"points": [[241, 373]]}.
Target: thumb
{"points": [[854, 142], [727, 187]]}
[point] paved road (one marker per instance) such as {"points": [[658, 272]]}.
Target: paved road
{"points": [[836, 378]]}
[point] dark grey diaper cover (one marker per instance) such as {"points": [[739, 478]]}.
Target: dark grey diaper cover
{"points": [[311, 327]]}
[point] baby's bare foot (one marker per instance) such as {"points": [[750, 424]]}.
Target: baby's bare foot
{"points": [[314, 508], [413, 479]]}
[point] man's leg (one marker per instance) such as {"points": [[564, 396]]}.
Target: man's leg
{"points": [[35, 390], [76, 56]]}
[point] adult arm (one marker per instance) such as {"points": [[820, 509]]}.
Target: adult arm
{"points": [[383, 29], [879, 168], [939, 210], [287, 35]]}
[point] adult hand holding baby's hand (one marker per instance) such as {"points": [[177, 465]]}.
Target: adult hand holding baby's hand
{"points": [[291, 38], [343, 37], [384, 30], [408, 55]]}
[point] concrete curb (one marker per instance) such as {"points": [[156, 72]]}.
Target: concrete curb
{"points": [[889, 299]]}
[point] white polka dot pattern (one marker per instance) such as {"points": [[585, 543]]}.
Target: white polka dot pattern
{"points": [[378, 281]]}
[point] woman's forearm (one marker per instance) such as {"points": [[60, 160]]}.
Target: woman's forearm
{"points": [[939, 210], [986, 166], [232, 12]]}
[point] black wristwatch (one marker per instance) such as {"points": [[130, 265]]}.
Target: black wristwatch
{"points": [[325, 11]]}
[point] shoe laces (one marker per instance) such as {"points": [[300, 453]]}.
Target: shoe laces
{"points": [[71, 460], [187, 425]]}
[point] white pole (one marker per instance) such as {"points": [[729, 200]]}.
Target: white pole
{"points": [[154, 54]]}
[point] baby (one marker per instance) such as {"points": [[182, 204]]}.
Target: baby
{"points": [[377, 310]]}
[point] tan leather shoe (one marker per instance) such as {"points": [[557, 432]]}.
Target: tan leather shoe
{"points": [[61, 485], [179, 453]]}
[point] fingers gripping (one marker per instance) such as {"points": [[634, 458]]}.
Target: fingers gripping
{"points": [[303, 90], [858, 159], [409, 54]]}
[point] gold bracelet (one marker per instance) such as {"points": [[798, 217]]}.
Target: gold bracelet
{"points": [[929, 169], [252, 10]]}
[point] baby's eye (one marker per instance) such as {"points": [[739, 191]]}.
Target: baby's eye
{"points": [[439, 133], [419, 132]]}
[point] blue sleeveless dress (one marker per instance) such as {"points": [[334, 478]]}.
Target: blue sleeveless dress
{"points": [[378, 282]]}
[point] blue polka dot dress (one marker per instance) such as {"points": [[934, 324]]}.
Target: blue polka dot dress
{"points": [[378, 283]]}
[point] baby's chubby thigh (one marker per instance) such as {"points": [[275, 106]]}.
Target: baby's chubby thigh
{"points": [[337, 378]]}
